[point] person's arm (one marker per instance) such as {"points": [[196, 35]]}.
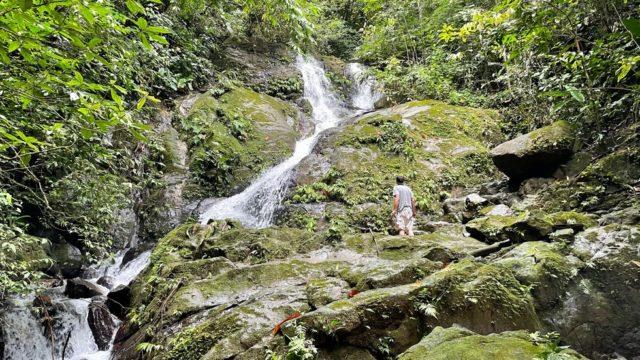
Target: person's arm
{"points": [[413, 206], [396, 201]]}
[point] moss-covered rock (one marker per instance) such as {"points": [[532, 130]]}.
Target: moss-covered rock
{"points": [[366, 318], [322, 291], [260, 245], [482, 297], [235, 136], [600, 306], [525, 226], [570, 219], [544, 268], [438, 246], [617, 168], [459, 343], [435, 145], [537, 153]]}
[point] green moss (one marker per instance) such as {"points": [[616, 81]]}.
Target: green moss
{"points": [[434, 145], [234, 137], [619, 168], [285, 88], [194, 342], [483, 297], [559, 135], [570, 219], [543, 267], [260, 245], [491, 228], [457, 343], [221, 289], [196, 269]]}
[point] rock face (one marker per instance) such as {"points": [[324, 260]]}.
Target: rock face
{"points": [[222, 290], [537, 153], [599, 313], [80, 289], [459, 343], [101, 324]]}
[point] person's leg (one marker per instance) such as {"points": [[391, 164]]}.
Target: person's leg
{"points": [[402, 233], [410, 227]]}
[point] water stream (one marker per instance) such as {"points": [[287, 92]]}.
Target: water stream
{"points": [[256, 205], [24, 331], [25, 334]]}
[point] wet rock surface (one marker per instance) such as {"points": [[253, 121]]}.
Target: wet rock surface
{"points": [[460, 343], [119, 300], [101, 324], [78, 288]]}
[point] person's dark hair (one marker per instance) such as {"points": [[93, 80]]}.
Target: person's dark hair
{"points": [[400, 180]]}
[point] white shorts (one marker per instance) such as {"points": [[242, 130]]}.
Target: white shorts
{"points": [[404, 220]]}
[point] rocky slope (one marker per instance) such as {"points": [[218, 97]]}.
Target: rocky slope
{"points": [[500, 268], [496, 262]]}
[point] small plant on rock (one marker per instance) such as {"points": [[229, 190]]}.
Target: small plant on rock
{"points": [[299, 347]]}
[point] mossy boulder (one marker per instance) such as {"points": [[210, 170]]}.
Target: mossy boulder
{"points": [[525, 226], [537, 153], [233, 137], [440, 245], [482, 297], [570, 219], [544, 268], [617, 168], [367, 317], [485, 298], [462, 344]]}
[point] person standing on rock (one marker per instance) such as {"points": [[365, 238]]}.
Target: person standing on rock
{"points": [[404, 207]]}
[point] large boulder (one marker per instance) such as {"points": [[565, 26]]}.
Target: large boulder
{"points": [[518, 228], [599, 312], [462, 344], [537, 153], [544, 268], [81, 289]]}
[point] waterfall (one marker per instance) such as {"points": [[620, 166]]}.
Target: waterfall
{"points": [[255, 206], [24, 332], [364, 94]]}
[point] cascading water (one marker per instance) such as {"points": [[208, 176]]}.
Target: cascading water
{"points": [[255, 206], [24, 331], [364, 93]]}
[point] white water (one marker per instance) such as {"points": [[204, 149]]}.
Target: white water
{"points": [[255, 206], [365, 93], [24, 334]]}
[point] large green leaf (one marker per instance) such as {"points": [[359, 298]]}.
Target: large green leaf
{"points": [[633, 25]]}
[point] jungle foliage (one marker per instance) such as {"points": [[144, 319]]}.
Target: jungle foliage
{"points": [[538, 60]]}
